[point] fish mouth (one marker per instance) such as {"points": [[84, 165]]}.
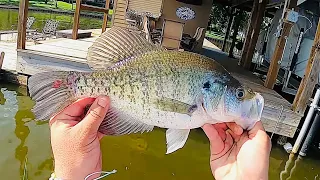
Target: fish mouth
{"points": [[259, 104], [251, 112]]}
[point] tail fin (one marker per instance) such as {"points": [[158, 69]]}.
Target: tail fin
{"points": [[50, 92]]}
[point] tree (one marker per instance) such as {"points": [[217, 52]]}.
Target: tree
{"points": [[240, 23], [218, 17]]}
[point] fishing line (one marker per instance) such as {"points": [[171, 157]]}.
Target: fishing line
{"points": [[106, 173], [279, 118]]}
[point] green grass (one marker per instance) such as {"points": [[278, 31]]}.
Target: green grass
{"points": [[50, 5], [215, 36]]}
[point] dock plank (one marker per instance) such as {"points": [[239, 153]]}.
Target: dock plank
{"points": [[10, 57]]}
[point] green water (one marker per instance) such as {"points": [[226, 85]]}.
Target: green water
{"points": [[25, 150], [9, 18]]}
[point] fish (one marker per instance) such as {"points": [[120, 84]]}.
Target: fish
{"points": [[149, 86]]}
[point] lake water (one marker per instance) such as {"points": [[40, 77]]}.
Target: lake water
{"points": [[25, 150], [9, 20]]}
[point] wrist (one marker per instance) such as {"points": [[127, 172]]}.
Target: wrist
{"points": [[76, 170]]}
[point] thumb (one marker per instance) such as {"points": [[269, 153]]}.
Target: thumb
{"points": [[215, 138], [95, 115]]}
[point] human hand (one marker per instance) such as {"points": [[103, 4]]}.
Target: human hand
{"points": [[75, 139], [238, 154]]}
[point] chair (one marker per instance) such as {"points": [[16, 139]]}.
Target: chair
{"points": [[133, 19], [48, 30], [171, 35], [30, 21], [191, 43]]}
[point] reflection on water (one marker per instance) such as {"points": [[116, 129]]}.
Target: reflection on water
{"points": [[26, 153], [289, 167], [9, 20]]}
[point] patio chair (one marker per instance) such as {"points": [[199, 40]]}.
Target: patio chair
{"points": [[133, 19], [171, 34], [48, 30], [30, 21], [190, 43]]}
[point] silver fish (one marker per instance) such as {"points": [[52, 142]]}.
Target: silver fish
{"points": [[149, 86]]}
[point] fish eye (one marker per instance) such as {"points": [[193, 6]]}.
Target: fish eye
{"points": [[206, 85], [240, 93]]}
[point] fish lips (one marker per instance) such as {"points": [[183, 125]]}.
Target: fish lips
{"points": [[251, 112]]}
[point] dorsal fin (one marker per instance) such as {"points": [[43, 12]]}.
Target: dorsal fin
{"points": [[115, 45]]}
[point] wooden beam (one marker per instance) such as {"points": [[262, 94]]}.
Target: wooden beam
{"points": [[310, 78], [231, 14], [237, 21], [1, 59], [105, 17], [247, 41], [92, 8], [255, 34], [276, 57], [22, 23], [236, 3], [76, 19]]}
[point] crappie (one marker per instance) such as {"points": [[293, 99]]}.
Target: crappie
{"points": [[149, 86]]}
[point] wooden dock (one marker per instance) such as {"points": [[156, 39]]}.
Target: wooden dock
{"points": [[68, 54]]}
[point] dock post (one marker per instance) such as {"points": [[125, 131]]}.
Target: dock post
{"points": [[311, 134], [313, 107], [1, 59]]}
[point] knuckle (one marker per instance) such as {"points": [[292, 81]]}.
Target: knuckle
{"points": [[95, 114]]}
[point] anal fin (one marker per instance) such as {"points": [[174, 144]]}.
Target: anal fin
{"points": [[176, 138]]}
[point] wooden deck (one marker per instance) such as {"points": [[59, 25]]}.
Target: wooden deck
{"points": [[68, 54]]}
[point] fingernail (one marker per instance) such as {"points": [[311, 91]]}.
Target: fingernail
{"points": [[102, 101]]}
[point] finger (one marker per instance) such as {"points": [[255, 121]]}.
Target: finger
{"points": [[216, 142], [234, 136], [100, 135], [235, 128], [256, 128], [259, 135], [224, 154], [73, 111], [221, 126], [96, 114], [221, 129]]}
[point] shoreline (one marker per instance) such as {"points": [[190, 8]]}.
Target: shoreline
{"points": [[55, 11]]}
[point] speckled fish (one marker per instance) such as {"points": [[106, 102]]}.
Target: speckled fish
{"points": [[149, 86]]}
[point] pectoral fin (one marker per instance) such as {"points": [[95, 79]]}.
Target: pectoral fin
{"points": [[176, 138], [167, 104], [120, 123]]}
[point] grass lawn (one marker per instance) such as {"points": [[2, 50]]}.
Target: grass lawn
{"points": [[50, 5], [213, 35]]}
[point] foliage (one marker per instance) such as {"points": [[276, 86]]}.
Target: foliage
{"points": [[219, 17], [42, 4]]}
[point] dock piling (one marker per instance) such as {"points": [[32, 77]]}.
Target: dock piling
{"points": [[311, 134], [313, 107], [1, 59]]}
